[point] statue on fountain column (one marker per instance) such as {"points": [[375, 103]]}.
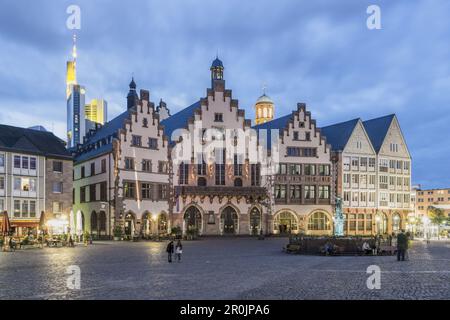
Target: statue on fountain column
{"points": [[339, 219]]}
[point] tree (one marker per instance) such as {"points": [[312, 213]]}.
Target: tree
{"points": [[438, 217]]}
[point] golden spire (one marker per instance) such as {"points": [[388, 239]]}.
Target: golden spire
{"points": [[71, 74]]}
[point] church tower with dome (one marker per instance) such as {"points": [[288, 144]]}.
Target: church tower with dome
{"points": [[264, 109]]}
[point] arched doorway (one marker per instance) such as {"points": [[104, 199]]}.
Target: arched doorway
{"points": [[396, 222], [380, 223], [102, 223], [201, 182], [255, 221], [79, 223], [238, 182], [129, 224], [162, 224], [94, 223], [319, 222], [285, 223], [193, 219], [229, 220]]}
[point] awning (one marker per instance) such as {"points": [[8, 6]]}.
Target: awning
{"points": [[25, 223]]}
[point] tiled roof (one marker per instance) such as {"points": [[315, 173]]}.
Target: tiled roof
{"points": [[279, 123], [377, 130], [109, 129], [32, 141], [338, 134], [179, 120]]}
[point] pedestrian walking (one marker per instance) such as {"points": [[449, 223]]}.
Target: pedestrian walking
{"points": [[402, 245], [178, 250], [169, 251]]}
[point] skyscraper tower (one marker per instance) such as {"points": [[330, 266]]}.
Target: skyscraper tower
{"points": [[264, 109], [75, 97]]}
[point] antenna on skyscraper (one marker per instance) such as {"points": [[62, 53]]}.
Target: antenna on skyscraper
{"points": [[74, 47]]}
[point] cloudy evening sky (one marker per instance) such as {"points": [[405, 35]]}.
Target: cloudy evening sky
{"points": [[318, 52]]}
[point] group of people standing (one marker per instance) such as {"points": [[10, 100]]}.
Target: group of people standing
{"points": [[177, 249]]}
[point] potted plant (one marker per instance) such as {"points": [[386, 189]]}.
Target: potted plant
{"points": [[176, 231], [118, 233]]}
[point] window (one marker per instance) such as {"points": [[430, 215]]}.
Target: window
{"points": [[220, 174], [295, 192], [383, 182], [162, 167], [218, 117], [324, 192], [372, 163], [103, 191], [319, 222], [2, 160], [310, 169], [57, 187], [92, 192], [147, 165], [145, 123], [295, 169], [324, 170], [16, 208], [129, 190], [201, 166], [93, 169], [183, 174], [282, 168], [153, 143], [25, 209], [293, 152], [220, 167], [308, 136], [346, 163], [57, 207], [32, 209], [2, 185], [2, 205], [310, 192], [129, 163], [355, 163], [103, 165], [238, 165], [25, 163], [83, 172], [82, 194], [146, 191], [295, 137], [57, 166], [163, 193], [17, 184], [255, 174], [17, 165], [363, 163], [136, 141], [280, 191]]}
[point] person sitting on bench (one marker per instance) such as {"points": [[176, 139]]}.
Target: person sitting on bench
{"points": [[366, 248]]}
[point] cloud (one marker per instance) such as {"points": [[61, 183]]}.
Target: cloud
{"points": [[318, 52]]}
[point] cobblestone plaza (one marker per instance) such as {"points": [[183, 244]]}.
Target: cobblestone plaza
{"points": [[220, 268]]}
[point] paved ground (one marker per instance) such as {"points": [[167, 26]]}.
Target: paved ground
{"points": [[220, 269]]}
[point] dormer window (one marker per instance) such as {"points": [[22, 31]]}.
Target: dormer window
{"points": [[145, 123], [218, 117]]}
